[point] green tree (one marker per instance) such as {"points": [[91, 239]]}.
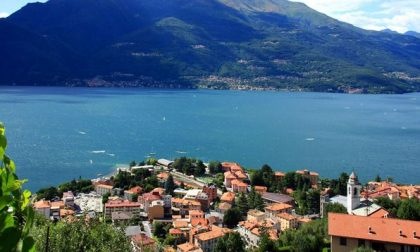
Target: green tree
{"points": [[199, 169], [151, 161], [231, 242], [215, 167], [170, 185], [16, 215], [232, 217], [105, 197], [266, 244], [160, 229], [409, 209], [363, 249], [390, 205], [132, 164], [47, 193], [80, 235], [242, 204], [334, 208], [378, 178]]}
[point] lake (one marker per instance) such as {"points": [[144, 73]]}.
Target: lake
{"points": [[57, 134]]}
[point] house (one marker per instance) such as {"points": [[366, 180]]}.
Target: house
{"points": [[207, 241], [250, 231], [103, 189], [183, 206], [239, 186], [68, 199], [211, 192], [228, 197], [260, 189], [156, 210], [132, 192], [273, 210], [142, 242], [43, 207], [56, 206], [223, 207], [279, 176], [348, 232], [146, 199], [120, 205], [255, 215], [187, 247], [287, 221], [312, 176]]}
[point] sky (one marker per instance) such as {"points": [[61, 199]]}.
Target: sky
{"points": [[397, 15]]}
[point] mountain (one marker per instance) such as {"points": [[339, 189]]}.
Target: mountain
{"points": [[413, 33], [202, 43]]}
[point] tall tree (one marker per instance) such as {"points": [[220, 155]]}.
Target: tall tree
{"points": [[242, 204], [231, 242], [215, 167], [232, 217], [170, 185], [409, 209]]}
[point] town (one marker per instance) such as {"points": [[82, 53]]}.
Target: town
{"points": [[186, 205]]}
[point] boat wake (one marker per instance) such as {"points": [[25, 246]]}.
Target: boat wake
{"points": [[98, 151], [309, 139]]}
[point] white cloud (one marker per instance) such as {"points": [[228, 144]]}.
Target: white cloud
{"points": [[3, 14], [397, 15]]}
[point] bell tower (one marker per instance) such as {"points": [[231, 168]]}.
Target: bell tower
{"points": [[353, 193]]}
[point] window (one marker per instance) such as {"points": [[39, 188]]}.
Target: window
{"points": [[343, 241], [361, 243]]}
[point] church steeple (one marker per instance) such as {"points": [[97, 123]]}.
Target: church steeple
{"points": [[353, 192]]}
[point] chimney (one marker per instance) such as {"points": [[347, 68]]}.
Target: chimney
{"points": [[370, 229], [401, 233]]}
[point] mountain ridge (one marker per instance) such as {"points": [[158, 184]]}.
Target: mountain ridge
{"points": [[274, 44]]}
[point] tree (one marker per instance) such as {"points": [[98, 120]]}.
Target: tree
{"points": [[170, 185], [231, 242], [409, 209], [160, 229], [232, 217], [242, 204], [334, 208], [390, 205], [215, 167], [378, 178], [80, 235], [200, 168], [132, 164], [16, 215], [151, 161], [266, 244], [47, 193], [363, 249], [105, 197]]}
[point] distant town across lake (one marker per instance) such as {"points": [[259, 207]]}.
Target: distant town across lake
{"points": [[56, 134]]}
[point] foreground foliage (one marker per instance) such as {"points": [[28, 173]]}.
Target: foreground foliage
{"points": [[16, 215], [78, 235]]}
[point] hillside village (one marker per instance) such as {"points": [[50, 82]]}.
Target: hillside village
{"points": [[185, 205]]}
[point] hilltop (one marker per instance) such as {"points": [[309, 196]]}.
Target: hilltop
{"points": [[269, 44]]}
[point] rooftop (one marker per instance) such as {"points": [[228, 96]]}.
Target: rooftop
{"points": [[286, 216], [375, 229], [278, 207], [121, 203], [187, 247], [277, 197], [228, 196], [215, 233]]}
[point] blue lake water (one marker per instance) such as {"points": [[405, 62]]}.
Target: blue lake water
{"points": [[56, 134]]}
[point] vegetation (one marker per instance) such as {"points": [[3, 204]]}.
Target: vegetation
{"points": [[334, 208], [232, 217], [409, 209], [215, 167], [140, 177], [231, 242], [170, 185], [76, 186], [189, 166], [16, 215], [78, 235]]}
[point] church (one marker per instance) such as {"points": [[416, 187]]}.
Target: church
{"points": [[353, 202]]}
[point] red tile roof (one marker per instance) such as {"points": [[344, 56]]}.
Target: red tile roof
{"points": [[382, 229], [228, 196], [121, 203]]}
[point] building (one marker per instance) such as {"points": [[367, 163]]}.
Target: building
{"points": [[187, 247], [348, 232], [156, 210], [56, 206], [223, 207], [255, 215], [165, 162], [142, 242], [287, 221], [207, 241], [277, 198], [312, 176], [68, 199], [183, 206], [250, 231], [353, 202], [279, 176], [273, 210], [103, 189], [211, 192], [239, 186], [132, 193], [260, 189], [120, 205], [228, 197], [43, 207], [146, 199]]}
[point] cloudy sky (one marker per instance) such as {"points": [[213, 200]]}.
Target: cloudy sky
{"points": [[397, 15]]}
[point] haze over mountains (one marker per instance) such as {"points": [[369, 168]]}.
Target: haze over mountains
{"points": [[206, 43]]}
